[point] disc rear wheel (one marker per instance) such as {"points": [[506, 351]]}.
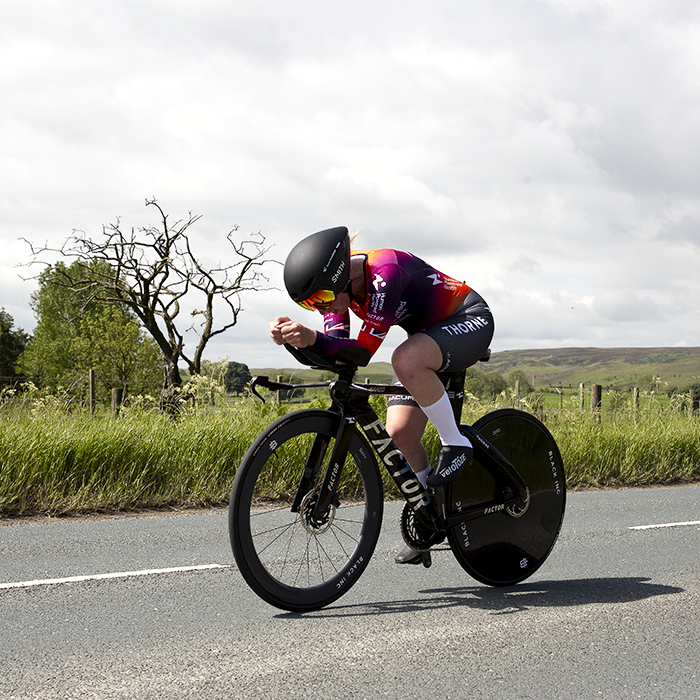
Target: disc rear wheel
{"points": [[507, 546]]}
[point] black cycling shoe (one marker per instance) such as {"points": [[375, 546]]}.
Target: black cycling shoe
{"points": [[450, 463], [408, 555]]}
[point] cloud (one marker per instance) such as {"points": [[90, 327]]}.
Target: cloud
{"points": [[543, 151]]}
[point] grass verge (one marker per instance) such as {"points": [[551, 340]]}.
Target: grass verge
{"points": [[57, 464]]}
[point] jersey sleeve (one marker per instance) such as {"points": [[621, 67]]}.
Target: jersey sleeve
{"points": [[336, 334], [337, 325], [385, 285]]}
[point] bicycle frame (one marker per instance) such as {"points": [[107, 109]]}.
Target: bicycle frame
{"points": [[351, 402], [302, 549]]}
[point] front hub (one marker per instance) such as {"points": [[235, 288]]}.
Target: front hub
{"points": [[319, 523]]}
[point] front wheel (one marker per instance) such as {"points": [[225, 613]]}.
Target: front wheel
{"points": [[290, 558], [505, 547]]}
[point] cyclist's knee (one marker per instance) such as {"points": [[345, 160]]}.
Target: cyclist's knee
{"points": [[414, 356], [401, 361]]}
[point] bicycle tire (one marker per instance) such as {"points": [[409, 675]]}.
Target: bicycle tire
{"points": [[287, 560], [502, 549]]}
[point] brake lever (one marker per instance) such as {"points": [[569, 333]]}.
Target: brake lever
{"points": [[255, 381], [264, 380]]}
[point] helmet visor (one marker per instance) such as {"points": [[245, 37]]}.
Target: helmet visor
{"points": [[319, 301]]}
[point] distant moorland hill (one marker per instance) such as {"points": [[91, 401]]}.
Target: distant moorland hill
{"points": [[615, 367], [612, 367]]}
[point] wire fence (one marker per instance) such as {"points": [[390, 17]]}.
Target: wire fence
{"points": [[85, 392]]}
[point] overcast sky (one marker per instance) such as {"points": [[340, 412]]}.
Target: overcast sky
{"points": [[544, 151]]}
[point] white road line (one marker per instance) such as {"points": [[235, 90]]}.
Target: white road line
{"points": [[651, 527], [120, 574]]}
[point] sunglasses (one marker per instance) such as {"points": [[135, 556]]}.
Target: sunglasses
{"points": [[319, 301]]}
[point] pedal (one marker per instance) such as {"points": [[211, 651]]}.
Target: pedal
{"points": [[426, 559]]}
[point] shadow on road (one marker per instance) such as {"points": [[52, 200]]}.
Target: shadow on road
{"points": [[512, 599]]}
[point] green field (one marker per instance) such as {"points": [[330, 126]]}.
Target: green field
{"points": [[55, 459]]}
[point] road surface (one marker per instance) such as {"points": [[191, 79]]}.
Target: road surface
{"points": [[152, 607]]}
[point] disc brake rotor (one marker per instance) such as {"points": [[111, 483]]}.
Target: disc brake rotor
{"points": [[319, 524]]}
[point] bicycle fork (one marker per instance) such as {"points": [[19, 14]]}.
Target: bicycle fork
{"points": [[326, 494]]}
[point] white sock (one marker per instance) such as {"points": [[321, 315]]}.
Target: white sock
{"points": [[442, 417], [423, 476]]}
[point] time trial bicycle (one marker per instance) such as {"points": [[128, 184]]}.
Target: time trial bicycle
{"points": [[307, 500]]}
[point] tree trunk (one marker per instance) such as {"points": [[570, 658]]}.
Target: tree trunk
{"points": [[172, 382]]}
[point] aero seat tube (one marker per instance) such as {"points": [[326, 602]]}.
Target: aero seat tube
{"points": [[454, 386]]}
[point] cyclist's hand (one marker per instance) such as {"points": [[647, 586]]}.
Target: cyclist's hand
{"points": [[276, 329], [284, 330]]}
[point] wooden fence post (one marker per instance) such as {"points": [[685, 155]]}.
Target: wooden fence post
{"points": [[517, 393], [581, 399], [117, 395], [596, 393], [91, 391], [635, 399]]}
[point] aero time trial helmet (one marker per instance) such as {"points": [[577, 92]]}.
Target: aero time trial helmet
{"points": [[318, 268]]}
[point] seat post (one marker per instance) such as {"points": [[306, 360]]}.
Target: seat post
{"points": [[454, 386]]}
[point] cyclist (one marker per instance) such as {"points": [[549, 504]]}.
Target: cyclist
{"points": [[449, 328]]}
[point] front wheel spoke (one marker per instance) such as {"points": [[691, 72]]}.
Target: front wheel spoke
{"points": [[285, 558], [348, 535], [270, 530], [267, 511], [347, 519], [281, 531], [278, 559], [304, 560], [348, 522], [320, 548], [316, 557]]}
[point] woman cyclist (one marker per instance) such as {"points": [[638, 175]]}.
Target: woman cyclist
{"points": [[449, 328]]}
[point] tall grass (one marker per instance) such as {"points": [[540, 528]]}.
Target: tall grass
{"points": [[619, 450], [56, 462], [60, 464]]}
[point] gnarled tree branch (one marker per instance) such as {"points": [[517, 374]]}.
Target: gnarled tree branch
{"points": [[152, 270]]}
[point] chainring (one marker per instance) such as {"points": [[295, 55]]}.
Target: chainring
{"points": [[415, 534]]}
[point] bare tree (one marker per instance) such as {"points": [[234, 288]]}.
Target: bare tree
{"points": [[151, 271]]}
